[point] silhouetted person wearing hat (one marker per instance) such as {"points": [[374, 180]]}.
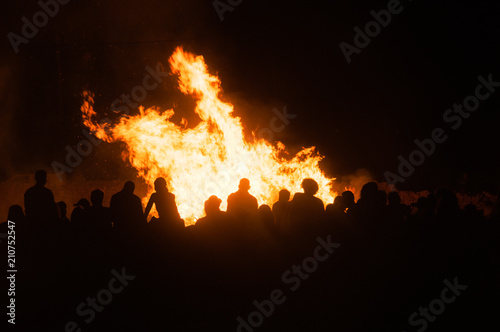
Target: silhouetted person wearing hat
{"points": [[242, 203], [165, 205], [38, 200], [126, 209], [214, 217], [80, 214]]}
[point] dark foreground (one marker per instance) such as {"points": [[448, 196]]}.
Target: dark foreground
{"points": [[367, 275]]}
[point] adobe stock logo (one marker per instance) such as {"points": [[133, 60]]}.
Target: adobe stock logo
{"points": [[293, 278], [452, 116], [103, 298], [221, 7], [437, 306], [372, 29], [29, 30], [139, 92]]}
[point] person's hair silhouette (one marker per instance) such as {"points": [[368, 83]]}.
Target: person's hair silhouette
{"points": [[306, 209], [335, 211], [348, 199]]}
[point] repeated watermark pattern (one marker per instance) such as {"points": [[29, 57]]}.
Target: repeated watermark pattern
{"points": [[372, 29], [139, 92], [30, 28], [453, 117], [225, 6], [448, 295], [276, 124], [87, 309], [292, 278], [123, 105]]}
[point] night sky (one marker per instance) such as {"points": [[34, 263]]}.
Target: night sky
{"points": [[268, 54]]}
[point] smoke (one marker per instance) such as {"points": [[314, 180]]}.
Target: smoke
{"points": [[353, 182]]}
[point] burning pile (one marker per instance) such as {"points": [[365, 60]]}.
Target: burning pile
{"points": [[210, 158]]}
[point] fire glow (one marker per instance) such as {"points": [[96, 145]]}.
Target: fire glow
{"points": [[210, 158]]}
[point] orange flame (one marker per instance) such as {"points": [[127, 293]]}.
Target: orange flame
{"points": [[212, 157]]}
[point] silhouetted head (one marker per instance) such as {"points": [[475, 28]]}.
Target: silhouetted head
{"points": [[160, 184], [348, 199], [338, 202], [369, 190], [310, 186], [83, 203], [212, 205], [96, 197], [284, 195], [41, 177], [266, 214], [244, 184], [129, 187], [63, 210], [15, 213], [264, 208], [394, 198]]}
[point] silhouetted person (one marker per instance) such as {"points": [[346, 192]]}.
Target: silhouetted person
{"points": [[38, 200], [100, 218], [335, 211], [424, 210], [242, 203], [266, 216], [367, 206], [348, 199], [380, 204], [165, 205], [126, 209], [214, 217], [396, 212], [80, 214], [16, 214], [446, 204], [63, 211], [280, 209], [306, 209]]}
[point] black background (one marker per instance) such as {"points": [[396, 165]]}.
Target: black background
{"points": [[268, 54]]}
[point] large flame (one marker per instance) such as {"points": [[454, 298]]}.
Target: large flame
{"points": [[210, 158]]}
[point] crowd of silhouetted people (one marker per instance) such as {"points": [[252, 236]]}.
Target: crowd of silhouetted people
{"points": [[300, 214], [227, 251]]}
